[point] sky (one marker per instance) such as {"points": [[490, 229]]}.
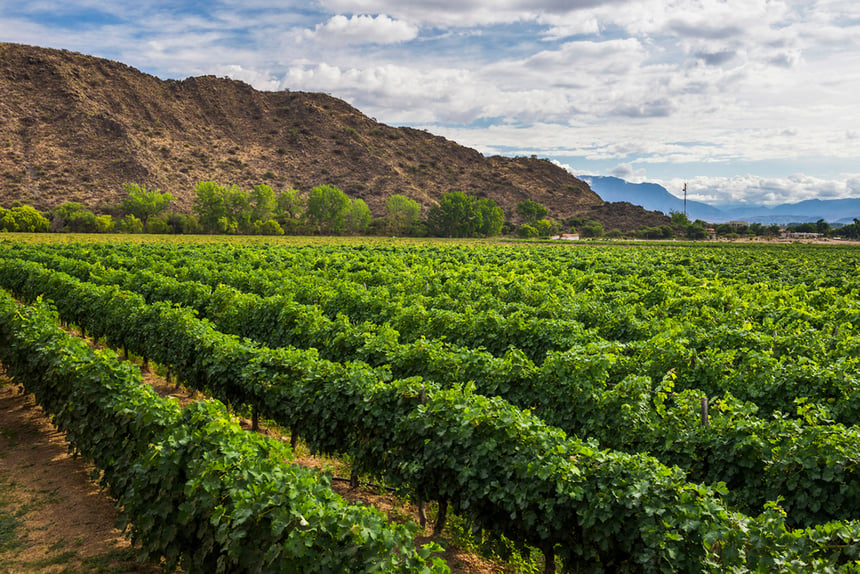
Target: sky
{"points": [[747, 101]]}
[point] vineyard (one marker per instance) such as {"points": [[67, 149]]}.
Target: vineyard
{"points": [[620, 408]]}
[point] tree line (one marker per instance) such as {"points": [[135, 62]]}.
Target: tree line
{"points": [[324, 210]]}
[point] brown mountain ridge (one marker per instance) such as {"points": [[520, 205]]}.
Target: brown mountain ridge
{"points": [[76, 128]]}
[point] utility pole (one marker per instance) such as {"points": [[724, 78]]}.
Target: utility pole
{"points": [[685, 199]]}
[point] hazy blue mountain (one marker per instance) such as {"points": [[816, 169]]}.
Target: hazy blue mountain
{"points": [[827, 209], [651, 196], [655, 197], [811, 210]]}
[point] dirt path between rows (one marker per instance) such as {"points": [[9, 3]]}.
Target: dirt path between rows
{"points": [[55, 519]]}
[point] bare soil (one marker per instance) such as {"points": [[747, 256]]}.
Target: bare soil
{"points": [[55, 519]]}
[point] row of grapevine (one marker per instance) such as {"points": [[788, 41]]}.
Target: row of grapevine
{"points": [[544, 279], [504, 468], [195, 489], [488, 328], [772, 355], [814, 318], [813, 468]]}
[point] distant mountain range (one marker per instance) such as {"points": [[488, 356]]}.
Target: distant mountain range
{"points": [[655, 197]]}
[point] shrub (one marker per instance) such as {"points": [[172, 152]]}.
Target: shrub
{"points": [[526, 231], [130, 224]]}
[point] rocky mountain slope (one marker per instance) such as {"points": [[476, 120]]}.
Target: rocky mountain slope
{"points": [[75, 128]]}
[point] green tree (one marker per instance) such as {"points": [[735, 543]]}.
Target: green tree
{"points": [[489, 218], [182, 223], [143, 203], [230, 209], [526, 231], [724, 229], [263, 203], [679, 218], [227, 225], [575, 222], [461, 215], [270, 227], [289, 204], [591, 229], [157, 225], [531, 211], [546, 227], [210, 206], [104, 224], [697, 231], [327, 209], [75, 217], [401, 214], [130, 224], [238, 205], [23, 218], [804, 228], [649, 232], [852, 231], [453, 217], [30, 219], [7, 220], [357, 217]]}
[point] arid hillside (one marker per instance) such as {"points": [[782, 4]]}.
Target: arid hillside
{"points": [[75, 127]]}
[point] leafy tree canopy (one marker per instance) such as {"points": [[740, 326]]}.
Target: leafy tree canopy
{"points": [[23, 218], [130, 224], [263, 203], [526, 231], [547, 227], [680, 219], [327, 209], [209, 205], [489, 218], [591, 229], [75, 217], [461, 215], [531, 211], [357, 217], [401, 214], [144, 203]]}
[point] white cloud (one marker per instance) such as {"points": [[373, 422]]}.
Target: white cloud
{"points": [[769, 191], [260, 79], [363, 29], [627, 172], [399, 95], [462, 13], [540, 88], [612, 57], [560, 29]]}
